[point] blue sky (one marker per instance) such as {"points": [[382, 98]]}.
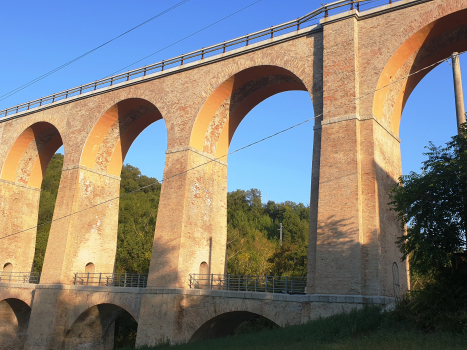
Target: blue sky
{"points": [[39, 36]]}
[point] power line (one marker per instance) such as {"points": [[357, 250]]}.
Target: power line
{"points": [[189, 36], [22, 87], [241, 148]]}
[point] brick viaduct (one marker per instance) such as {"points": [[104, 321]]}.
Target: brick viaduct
{"points": [[356, 159]]}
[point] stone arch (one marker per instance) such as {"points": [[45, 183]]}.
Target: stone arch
{"points": [[29, 156], [231, 101], [90, 268], [94, 327], [429, 44], [21, 178], [8, 267], [111, 137], [14, 321], [224, 325]]}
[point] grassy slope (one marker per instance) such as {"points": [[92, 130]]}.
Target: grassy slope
{"points": [[364, 329]]}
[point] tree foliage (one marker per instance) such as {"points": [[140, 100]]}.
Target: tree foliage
{"points": [[49, 190], [253, 246], [433, 205], [136, 220]]}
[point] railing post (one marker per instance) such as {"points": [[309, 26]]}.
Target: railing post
{"points": [[286, 283], [138, 280], [273, 284], [272, 33], [358, 6], [144, 72], [100, 276], [212, 279], [162, 65], [124, 281], [76, 275], [351, 6], [87, 281], [247, 280], [325, 12], [266, 286], [256, 282], [38, 277], [228, 281]]}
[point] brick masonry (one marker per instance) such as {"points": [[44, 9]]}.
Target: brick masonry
{"points": [[356, 159]]}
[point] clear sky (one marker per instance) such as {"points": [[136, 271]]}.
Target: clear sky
{"points": [[40, 36]]}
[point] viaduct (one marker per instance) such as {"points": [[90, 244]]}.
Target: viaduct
{"points": [[351, 64]]}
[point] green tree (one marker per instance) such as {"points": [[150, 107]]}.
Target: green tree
{"points": [[433, 205], [49, 190], [136, 220], [253, 246]]}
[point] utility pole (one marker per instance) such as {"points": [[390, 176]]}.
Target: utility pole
{"points": [[280, 232], [459, 94]]}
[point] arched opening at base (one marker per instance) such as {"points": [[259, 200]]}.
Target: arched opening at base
{"points": [[102, 327], [230, 323], [14, 321]]}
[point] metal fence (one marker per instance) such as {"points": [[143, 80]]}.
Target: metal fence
{"points": [[20, 277], [137, 280], [262, 35], [248, 283]]}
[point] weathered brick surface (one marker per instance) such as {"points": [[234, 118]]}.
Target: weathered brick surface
{"points": [[356, 159]]}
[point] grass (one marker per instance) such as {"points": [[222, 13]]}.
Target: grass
{"points": [[368, 328]]}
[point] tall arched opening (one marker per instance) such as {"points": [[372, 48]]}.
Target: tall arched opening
{"points": [[416, 58], [14, 321], [20, 189], [271, 96], [95, 230]]}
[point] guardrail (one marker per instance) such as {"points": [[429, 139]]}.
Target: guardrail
{"points": [[136, 280], [20, 277], [249, 283], [262, 35]]}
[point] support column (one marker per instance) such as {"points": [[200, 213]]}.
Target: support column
{"points": [[19, 208], [459, 94], [192, 219], [84, 233], [74, 240], [359, 163]]}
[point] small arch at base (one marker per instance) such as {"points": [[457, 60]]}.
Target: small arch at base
{"points": [[226, 324], [8, 267], [90, 268]]}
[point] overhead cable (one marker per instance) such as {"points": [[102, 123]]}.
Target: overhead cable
{"points": [[22, 87], [241, 148]]}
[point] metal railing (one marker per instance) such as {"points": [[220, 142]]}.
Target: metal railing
{"points": [[20, 277], [249, 283], [262, 35], [137, 280]]}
